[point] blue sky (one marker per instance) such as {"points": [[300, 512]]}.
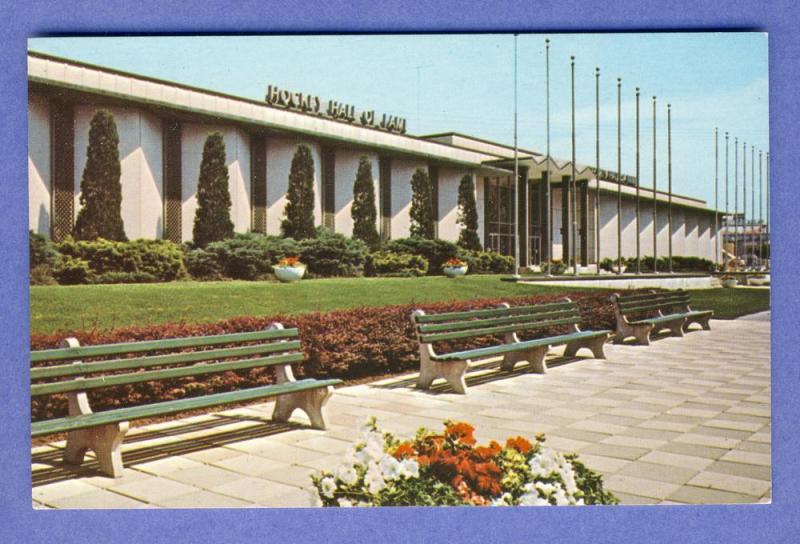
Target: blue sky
{"points": [[464, 83]]}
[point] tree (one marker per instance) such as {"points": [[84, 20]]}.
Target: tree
{"points": [[100, 215], [212, 221], [363, 211], [468, 215], [421, 205], [299, 211]]}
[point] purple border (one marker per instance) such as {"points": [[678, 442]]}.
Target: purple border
{"points": [[760, 523]]}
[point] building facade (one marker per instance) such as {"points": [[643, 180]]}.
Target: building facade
{"points": [[162, 128]]}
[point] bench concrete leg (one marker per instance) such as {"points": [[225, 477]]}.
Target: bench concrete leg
{"points": [[105, 441], [310, 401], [595, 344], [702, 321], [676, 328], [453, 372], [642, 334], [534, 357]]}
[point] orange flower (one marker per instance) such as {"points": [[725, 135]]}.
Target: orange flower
{"points": [[487, 452], [404, 450], [454, 261], [289, 261], [520, 444], [461, 432]]}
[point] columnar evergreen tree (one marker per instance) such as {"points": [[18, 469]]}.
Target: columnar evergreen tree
{"points": [[299, 211], [100, 215], [363, 211], [212, 221], [421, 205], [468, 215]]}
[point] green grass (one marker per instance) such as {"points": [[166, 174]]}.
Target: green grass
{"points": [[731, 303], [87, 306], [103, 306]]}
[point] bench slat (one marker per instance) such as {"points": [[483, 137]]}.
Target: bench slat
{"points": [[518, 346], [82, 369], [641, 296], [478, 323], [654, 298], [429, 338], [72, 423], [165, 374], [492, 312], [650, 307], [660, 319], [60, 354]]}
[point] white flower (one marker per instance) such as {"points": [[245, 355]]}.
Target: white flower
{"points": [[409, 468], [328, 486], [532, 499], [373, 479], [313, 497], [545, 489], [347, 474], [561, 497], [503, 500], [390, 467], [345, 503]]}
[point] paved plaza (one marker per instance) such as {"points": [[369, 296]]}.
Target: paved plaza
{"points": [[683, 421]]}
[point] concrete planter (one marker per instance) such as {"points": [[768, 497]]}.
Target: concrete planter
{"points": [[732, 282], [454, 271], [615, 269], [289, 274]]}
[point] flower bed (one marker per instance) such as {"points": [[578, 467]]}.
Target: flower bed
{"points": [[449, 469], [344, 344]]}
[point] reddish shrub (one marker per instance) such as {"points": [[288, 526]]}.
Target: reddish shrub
{"points": [[346, 344]]}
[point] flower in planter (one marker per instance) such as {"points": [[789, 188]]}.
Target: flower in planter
{"points": [[454, 262], [289, 262], [450, 469]]}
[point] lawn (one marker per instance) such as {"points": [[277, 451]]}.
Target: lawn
{"points": [[104, 306]]}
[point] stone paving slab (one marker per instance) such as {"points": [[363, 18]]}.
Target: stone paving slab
{"points": [[685, 420]]}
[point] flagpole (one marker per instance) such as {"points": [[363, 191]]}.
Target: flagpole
{"points": [[516, 171], [619, 176], [736, 197], [716, 197], [597, 170], [727, 212], [766, 201], [655, 199], [760, 214], [638, 253], [752, 200], [669, 184], [574, 245], [744, 203], [548, 198]]}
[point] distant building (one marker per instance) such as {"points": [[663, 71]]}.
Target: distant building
{"points": [[162, 127]]}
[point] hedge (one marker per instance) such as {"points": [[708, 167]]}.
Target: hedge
{"points": [[137, 260], [345, 344]]}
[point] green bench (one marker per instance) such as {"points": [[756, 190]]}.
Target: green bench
{"points": [[643, 314], [504, 320], [75, 370]]}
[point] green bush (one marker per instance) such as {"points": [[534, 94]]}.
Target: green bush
{"points": [[390, 264], [72, 271], [160, 259], [679, 264], [488, 262], [436, 252], [203, 265], [557, 268], [212, 219], [243, 257], [43, 258], [124, 277], [331, 254]]}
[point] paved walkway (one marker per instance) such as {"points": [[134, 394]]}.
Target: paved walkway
{"points": [[686, 420]]}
